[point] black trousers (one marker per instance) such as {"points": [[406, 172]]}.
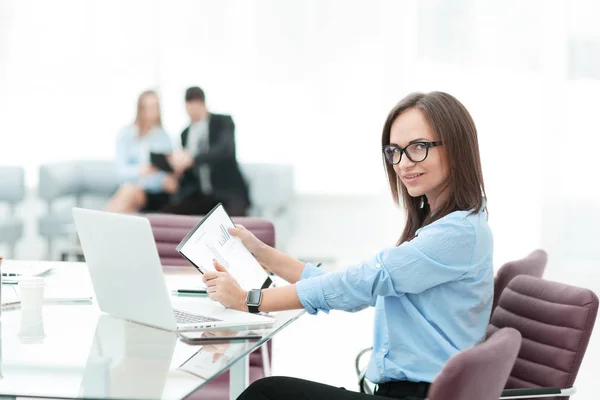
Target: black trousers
{"points": [[155, 201], [281, 387], [200, 204]]}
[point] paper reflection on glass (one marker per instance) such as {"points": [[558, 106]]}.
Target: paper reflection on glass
{"points": [[215, 356], [32, 326], [127, 360]]}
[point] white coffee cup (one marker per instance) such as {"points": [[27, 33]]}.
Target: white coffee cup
{"points": [[31, 293], [32, 326]]}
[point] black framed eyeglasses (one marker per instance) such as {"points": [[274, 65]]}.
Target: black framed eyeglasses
{"points": [[416, 152]]}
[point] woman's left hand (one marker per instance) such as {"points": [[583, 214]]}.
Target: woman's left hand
{"points": [[222, 287]]}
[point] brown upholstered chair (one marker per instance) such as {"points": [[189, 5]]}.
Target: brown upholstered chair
{"points": [[534, 264], [556, 321], [479, 372]]}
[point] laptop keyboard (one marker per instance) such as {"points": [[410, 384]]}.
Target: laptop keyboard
{"points": [[183, 317]]}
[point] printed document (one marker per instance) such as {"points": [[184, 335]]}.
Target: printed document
{"points": [[210, 240]]}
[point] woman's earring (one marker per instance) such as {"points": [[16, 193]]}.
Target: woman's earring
{"points": [[422, 202]]}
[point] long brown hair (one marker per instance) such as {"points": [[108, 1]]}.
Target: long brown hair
{"points": [[453, 125], [140, 106]]}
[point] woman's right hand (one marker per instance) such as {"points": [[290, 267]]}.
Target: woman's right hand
{"points": [[252, 243], [170, 184]]}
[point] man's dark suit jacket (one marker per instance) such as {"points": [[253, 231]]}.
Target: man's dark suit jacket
{"points": [[225, 176]]}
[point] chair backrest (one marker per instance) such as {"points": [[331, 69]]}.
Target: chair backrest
{"points": [[555, 320], [479, 372], [12, 184], [533, 265], [169, 230], [74, 178]]}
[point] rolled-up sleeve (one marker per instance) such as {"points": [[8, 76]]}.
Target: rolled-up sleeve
{"points": [[310, 271], [442, 252]]}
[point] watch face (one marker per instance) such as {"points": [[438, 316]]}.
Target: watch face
{"points": [[254, 297]]}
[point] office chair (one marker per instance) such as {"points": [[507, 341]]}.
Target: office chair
{"points": [[479, 372], [556, 321], [533, 264]]}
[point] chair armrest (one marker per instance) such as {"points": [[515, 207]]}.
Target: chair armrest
{"points": [[358, 357], [362, 384], [12, 180], [537, 393]]}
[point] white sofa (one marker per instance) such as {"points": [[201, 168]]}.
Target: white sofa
{"points": [[12, 192], [90, 183]]}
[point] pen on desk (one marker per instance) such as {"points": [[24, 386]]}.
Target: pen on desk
{"points": [[75, 300], [190, 291], [11, 306]]}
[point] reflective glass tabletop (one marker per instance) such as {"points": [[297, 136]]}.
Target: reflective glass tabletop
{"points": [[72, 350]]}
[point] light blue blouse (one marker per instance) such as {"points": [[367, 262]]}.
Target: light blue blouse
{"points": [[432, 296], [133, 152]]}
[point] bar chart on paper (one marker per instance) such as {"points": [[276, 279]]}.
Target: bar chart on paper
{"points": [[217, 255], [225, 236]]}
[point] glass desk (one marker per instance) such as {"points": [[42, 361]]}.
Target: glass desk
{"points": [[72, 350]]}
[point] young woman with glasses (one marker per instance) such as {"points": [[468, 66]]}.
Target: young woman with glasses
{"points": [[432, 291]]}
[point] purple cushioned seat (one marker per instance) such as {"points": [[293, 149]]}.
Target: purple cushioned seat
{"points": [[479, 372], [555, 320]]}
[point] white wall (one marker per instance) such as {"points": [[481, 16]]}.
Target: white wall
{"points": [[310, 82]]}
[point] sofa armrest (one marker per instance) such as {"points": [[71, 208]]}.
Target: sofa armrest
{"points": [[12, 181], [57, 180], [74, 178]]}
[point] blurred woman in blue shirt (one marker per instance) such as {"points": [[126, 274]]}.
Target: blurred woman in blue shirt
{"points": [[432, 291], [143, 185]]}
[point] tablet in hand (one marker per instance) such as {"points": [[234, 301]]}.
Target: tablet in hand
{"points": [[160, 161]]}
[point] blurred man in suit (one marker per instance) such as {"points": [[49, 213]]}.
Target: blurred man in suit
{"points": [[207, 165]]}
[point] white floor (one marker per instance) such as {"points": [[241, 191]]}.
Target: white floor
{"points": [[323, 347]]}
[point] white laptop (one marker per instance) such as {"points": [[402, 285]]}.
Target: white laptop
{"points": [[128, 280], [14, 271]]}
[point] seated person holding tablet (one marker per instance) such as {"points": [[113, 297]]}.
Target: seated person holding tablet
{"points": [[432, 291], [143, 186]]}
